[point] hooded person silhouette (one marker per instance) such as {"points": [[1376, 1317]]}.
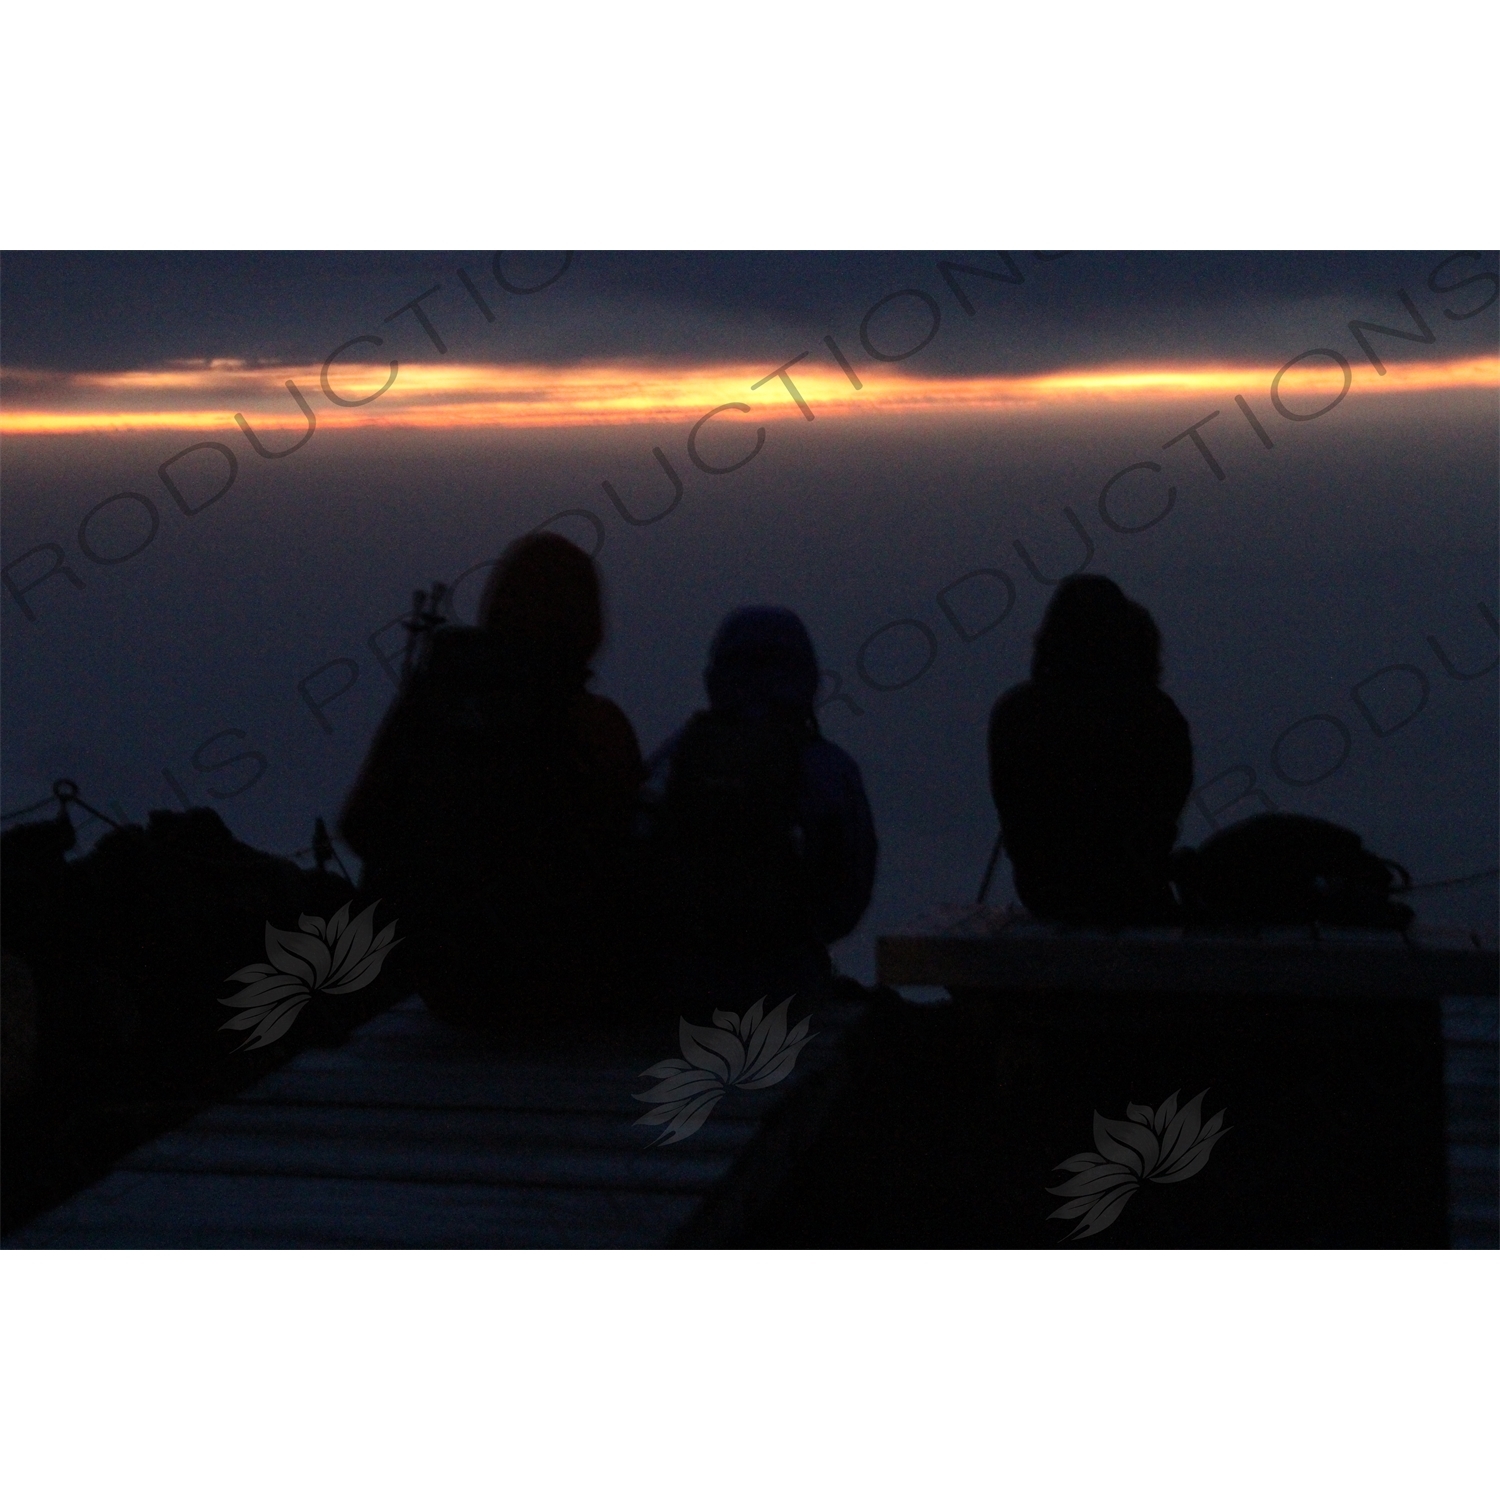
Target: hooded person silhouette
{"points": [[1091, 763], [495, 807], [763, 839]]}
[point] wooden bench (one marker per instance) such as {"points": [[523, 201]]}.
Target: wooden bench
{"points": [[975, 947], [1324, 1049], [413, 1134]]}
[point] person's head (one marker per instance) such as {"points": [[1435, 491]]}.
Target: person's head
{"points": [[545, 591], [1092, 630], [762, 662]]}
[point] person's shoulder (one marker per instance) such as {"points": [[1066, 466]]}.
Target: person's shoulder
{"points": [[826, 752], [827, 762], [1013, 703], [1019, 693], [1165, 706], [604, 721], [598, 709]]}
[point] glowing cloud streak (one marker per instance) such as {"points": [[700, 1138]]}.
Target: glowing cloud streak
{"points": [[203, 396]]}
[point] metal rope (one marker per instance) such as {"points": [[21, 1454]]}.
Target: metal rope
{"points": [[63, 792], [1437, 885]]}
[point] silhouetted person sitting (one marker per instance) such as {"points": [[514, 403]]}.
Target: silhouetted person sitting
{"points": [[764, 843], [1091, 764], [495, 806]]}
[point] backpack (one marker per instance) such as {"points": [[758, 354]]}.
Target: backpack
{"points": [[1282, 869], [734, 875]]}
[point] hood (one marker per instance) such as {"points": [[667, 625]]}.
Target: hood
{"points": [[762, 660]]}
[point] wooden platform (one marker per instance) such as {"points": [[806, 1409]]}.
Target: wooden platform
{"points": [[1361, 1112], [413, 1134], [1338, 1057], [980, 948]]}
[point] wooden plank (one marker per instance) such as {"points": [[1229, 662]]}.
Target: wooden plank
{"points": [[329, 1079], [789, 1131], [1471, 1081], [1471, 1112], [409, 1059], [465, 1128], [415, 1134], [971, 948], [1470, 1020], [397, 1160], [163, 1210]]}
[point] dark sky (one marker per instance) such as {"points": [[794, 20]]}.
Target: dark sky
{"points": [[134, 310]]}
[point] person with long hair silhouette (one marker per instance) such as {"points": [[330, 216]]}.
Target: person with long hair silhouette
{"points": [[1091, 763], [495, 808]]}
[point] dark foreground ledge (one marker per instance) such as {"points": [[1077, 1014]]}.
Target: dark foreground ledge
{"points": [[413, 1134], [903, 1124], [1325, 1050]]}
